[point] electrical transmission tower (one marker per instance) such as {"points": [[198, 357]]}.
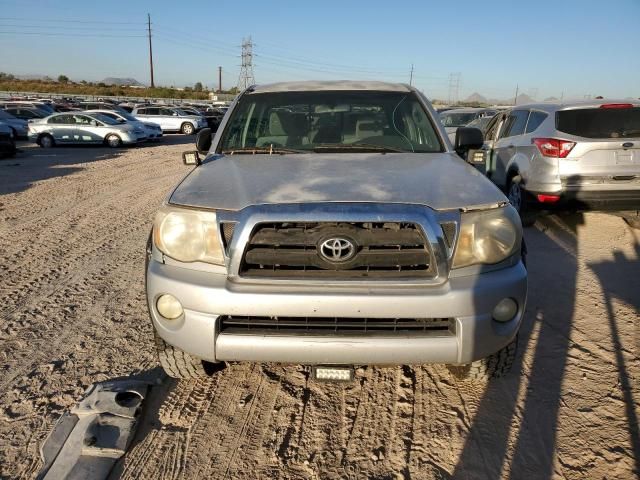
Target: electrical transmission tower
{"points": [[246, 77], [454, 87]]}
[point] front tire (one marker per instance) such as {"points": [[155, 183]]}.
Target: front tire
{"points": [[495, 365], [517, 196], [113, 141], [46, 141], [179, 364], [187, 128]]}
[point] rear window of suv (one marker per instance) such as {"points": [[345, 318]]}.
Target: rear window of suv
{"points": [[600, 122]]}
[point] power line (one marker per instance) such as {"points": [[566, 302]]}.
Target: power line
{"points": [[58, 34], [76, 27], [67, 20]]}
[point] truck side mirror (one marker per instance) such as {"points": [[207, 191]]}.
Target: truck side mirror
{"points": [[203, 140], [468, 138]]}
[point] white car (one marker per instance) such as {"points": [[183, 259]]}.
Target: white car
{"points": [[83, 128], [171, 119], [153, 130]]}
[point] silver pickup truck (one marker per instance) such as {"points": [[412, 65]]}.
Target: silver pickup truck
{"points": [[333, 224]]}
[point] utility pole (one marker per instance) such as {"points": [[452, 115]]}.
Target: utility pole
{"points": [[515, 99], [150, 49], [411, 76], [219, 79], [246, 78], [454, 87]]}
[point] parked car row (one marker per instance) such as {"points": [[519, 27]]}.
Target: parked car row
{"points": [[154, 120], [98, 123]]}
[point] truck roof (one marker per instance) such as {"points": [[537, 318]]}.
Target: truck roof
{"points": [[317, 86]]}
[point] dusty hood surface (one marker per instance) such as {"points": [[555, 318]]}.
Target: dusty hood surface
{"points": [[440, 181]]}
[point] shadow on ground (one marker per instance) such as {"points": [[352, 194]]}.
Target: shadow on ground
{"points": [[552, 265], [33, 164]]}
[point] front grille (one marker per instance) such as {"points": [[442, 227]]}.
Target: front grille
{"points": [[336, 326], [390, 250]]}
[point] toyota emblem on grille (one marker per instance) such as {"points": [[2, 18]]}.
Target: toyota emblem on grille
{"points": [[337, 249]]}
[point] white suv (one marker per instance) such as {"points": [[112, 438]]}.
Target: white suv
{"points": [[170, 119]]}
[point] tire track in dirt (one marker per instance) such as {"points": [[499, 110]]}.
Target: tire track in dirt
{"points": [[72, 269]]}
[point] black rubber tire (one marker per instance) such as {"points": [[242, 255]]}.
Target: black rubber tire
{"points": [[117, 144], [46, 135], [527, 216], [187, 128], [494, 366], [179, 364]]}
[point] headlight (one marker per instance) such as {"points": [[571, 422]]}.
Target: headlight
{"points": [[188, 235], [487, 237]]}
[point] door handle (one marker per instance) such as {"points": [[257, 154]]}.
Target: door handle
{"points": [[511, 146]]}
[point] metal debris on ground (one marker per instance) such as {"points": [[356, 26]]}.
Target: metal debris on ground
{"points": [[87, 441]]}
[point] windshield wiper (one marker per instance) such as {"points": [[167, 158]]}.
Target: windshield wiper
{"points": [[261, 150], [365, 147]]}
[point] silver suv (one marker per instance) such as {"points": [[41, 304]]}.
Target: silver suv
{"points": [[170, 119], [333, 224], [584, 154]]}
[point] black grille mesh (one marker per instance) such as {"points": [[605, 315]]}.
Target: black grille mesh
{"points": [[383, 250], [449, 231], [335, 325]]}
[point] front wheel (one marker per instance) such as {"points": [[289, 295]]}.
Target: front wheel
{"points": [[113, 141], [179, 364], [187, 128], [46, 141], [495, 365]]}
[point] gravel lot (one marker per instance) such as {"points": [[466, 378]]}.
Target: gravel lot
{"points": [[73, 226]]}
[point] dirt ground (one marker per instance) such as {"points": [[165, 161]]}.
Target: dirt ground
{"points": [[73, 226]]}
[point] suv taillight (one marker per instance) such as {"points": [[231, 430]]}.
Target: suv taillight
{"points": [[554, 147]]}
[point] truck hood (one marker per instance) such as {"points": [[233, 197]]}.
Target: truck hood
{"points": [[441, 181]]}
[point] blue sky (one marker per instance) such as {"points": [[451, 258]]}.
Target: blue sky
{"points": [[546, 47]]}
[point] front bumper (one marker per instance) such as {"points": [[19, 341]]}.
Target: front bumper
{"points": [[622, 195], [206, 296]]}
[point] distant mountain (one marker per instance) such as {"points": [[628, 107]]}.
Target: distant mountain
{"points": [[476, 98], [481, 99], [131, 82], [524, 98], [552, 99]]}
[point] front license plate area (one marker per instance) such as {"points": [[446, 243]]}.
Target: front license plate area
{"points": [[332, 373]]}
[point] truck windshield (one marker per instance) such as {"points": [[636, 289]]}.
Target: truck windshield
{"points": [[336, 121]]}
